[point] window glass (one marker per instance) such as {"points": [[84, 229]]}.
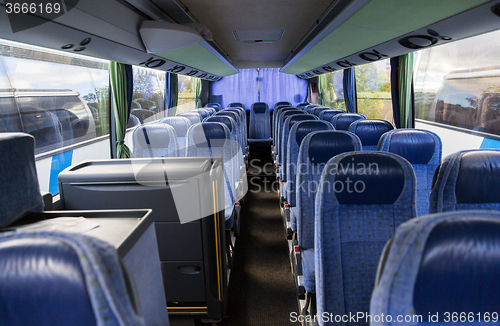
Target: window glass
{"points": [[59, 99], [186, 100], [333, 92], [373, 88], [458, 84], [148, 100]]}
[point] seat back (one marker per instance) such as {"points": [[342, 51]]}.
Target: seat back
{"points": [[352, 225], [302, 105], [142, 114], [423, 150], [20, 192], [318, 110], [344, 120], [316, 150], [133, 121], [446, 262], [277, 112], [328, 115], [289, 122], [281, 103], [243, 125], [236, 105], [370, 131], [155, 140], [204, 113], [237, 119], [192, 116], [57, 278], [260, 123], [216, 106], [279, 127], [181, 126], [310, 107], [298, 132], [210, 139], [467, 180]]}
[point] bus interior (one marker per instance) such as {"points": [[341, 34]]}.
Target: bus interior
{"points": [[240, 163]]}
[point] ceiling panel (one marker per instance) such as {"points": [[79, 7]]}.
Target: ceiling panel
{"points": [[223, 17]]}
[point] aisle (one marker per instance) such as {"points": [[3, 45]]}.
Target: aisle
{"points": [[261, 290]]}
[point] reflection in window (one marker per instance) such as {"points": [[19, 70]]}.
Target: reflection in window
{"points": [[333, 90], [186, 100], [148, 100], [458, 84], [373, 89]]}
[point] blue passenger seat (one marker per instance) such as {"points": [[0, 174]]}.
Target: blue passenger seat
{"points": [[443, 265], [133, 121], [260, 125], [467, 180], [216, 106], [192, 116], [423, 150], [344, 120], [155, 140], [181, 126], [353, 225], [328, 115], [370, 131]]}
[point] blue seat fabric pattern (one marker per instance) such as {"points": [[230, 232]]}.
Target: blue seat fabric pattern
{"points": [[181, 126], [260, 127], [370, 131], [344, 120], [155, 140]]}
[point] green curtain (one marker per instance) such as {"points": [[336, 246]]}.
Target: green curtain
{"points": [[175, 90], [322, 84], [199, 86], [118, 81], [405, 75]]}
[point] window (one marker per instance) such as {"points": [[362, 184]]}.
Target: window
{"points": [[186, 100], [148, 99], [373, 87], [458, 84], [333, 92]]}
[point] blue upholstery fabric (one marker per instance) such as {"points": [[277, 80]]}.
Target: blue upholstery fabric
{"points": [[235, 115], [317, 111], [281, 103], [467, 180], [370, 131], [302, 105], [298, 132], [19, 189], [260, 123], [423, 150], [242, 130], [308, 269], [316, 149], [328, 115], [216, 106], [155, 140], [210, 139], [210, 110], [236, 105], [289, 122], [309, 108], [56, 278], [204, 113], [349, 237], [181, 126], [276, 116], [280, 128], [193, 117], [441, 262], [344, 120]]}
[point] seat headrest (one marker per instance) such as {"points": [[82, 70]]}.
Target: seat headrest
{"points": [[20, 192], [416, 146], [478, 177], [236, 104], [54, 293], [260, 107], [459, 268], [306, 127], [328, 115], [327, 144], [288, 113], [222, 119], [209, 134], [227, 113], [344, 120], [299, 117], [204, 113], [180, 124], [375, 178], [370, 131], [155, 135], [216, 106], [194, 117]]}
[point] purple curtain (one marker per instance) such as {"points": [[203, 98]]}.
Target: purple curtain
{"points": [[242, 87]]}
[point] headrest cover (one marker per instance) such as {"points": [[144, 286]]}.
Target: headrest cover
{"points": [[416, 146], [288, 113], [344, 121], [216, 106], [478, 178], [323, 146], [153, 135], [19, 189], [259, 107], [374, 179], [230, 114], [194, 117], [180, 124], [309, 126], [209, 134], [370, 131], [459, 269], [236, 104], [299, 117], [222, 119]]}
